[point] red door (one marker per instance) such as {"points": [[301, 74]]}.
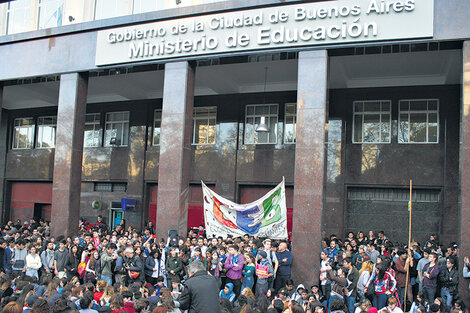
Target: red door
{"points": [[196, 206], [251, 193], [153, 196], [26, 196]]}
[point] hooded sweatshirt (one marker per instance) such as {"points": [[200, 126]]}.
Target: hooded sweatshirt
{"points": [[297, 295], [230, 295]]}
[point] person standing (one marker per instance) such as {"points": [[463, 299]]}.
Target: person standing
{"points": [[421, 263], [353, 277], [106, 263], [372, 252], [430, 275], [200, 292], [33, 263], [234, 266], [61, 257], [19, 258], [47, 258], [284, 257], [402, 265], [449, 281]]}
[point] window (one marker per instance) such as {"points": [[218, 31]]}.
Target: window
{"points": [[92, 136], [252, 120], [141, 6], [290, 122], [23, 133], [50, 13], [204, 125], [371, 121], [46, 131], [110, 187], [108, 8], [418, 121], [117, 129], [157, 124], [19, 16]]}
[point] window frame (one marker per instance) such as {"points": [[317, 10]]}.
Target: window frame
{"points": [[195, 118], [38, 132], [100, 129], [106, 122], [294, 116], [155, 120], [363, 113], [41, 5], [31, 127], [99, 16], [427, 112], [27, 10], [254, 116], [139, 4]]}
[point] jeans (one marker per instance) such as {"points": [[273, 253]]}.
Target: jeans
{"points": [[380, 300], [447, 297], [401, 295], [350, 300], [32, 273], [107, 279], [429, 294], [248, 282]]}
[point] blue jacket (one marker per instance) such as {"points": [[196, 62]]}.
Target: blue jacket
{"points": [[6, 259], [230, 295], [284, 267]]}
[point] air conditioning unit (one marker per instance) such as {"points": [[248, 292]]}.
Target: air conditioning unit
{"points": [[96, 205]]}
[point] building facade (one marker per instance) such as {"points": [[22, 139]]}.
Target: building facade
{"points": [[105, 100]]}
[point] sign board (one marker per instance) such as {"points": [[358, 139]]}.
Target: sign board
{"points": [[128, 204], [287, 26]]}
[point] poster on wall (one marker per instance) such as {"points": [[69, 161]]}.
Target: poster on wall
{"points": [[264, 218]]}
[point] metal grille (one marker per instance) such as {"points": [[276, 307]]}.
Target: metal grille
{"points": [[393, 194]]}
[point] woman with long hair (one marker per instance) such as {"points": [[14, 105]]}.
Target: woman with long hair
{"points": [[72, 262], [247, 292], [384, 286], [52, 292], [364, 276], [61, 305], [152, 267], [249, 271], [93, 267], [107, 295], [40, 306], [420, 300], [12, 307]]}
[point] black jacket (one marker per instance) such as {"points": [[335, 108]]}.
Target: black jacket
{"points": [[200, 294], [446, 281]]}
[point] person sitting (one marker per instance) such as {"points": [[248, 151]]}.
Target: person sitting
{"points": [[228, 293]]}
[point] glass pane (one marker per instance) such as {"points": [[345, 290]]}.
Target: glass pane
{"points": [[358, 107], [211, 139], [418, 127], [432, 105], [108, 8], [250, 120], [156, 136], [403, 128], [358, 128], [418, 105], [289, 133], [250, 110], [249, 133], [23, 140], [404, 105], [371, 128], [432, 132], [125, 139], [385, 106], [273, 109], [50, 13], [18, 16], [272, 130], [385, 128], [200, 131], [372, 106], [141, 6], [46, 136], [291, 109], [432, 118], [92, 118]]}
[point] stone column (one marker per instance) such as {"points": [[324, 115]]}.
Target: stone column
{"points": [[464, 170], [175, 148], [68, 154], [3, 153], [309, 164]]}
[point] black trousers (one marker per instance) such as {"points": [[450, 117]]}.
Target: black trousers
{"points": [[280, 282], [237, 285]]}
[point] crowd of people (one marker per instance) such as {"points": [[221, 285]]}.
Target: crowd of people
{"points": [[125, 270]]}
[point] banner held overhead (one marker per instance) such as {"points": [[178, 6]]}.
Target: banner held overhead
{"points": [[265, 217]]}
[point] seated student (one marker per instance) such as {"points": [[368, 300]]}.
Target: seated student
{"points": [[85, 305], [392, 306], [228, 293]]}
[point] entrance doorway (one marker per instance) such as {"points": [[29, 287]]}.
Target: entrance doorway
{"points": [[42, 211]]}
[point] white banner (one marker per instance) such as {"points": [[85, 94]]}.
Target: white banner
{"points": [[264, 218], [306, 24]]}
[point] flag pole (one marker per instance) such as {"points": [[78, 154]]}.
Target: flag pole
{"points": [[410, 210]]}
